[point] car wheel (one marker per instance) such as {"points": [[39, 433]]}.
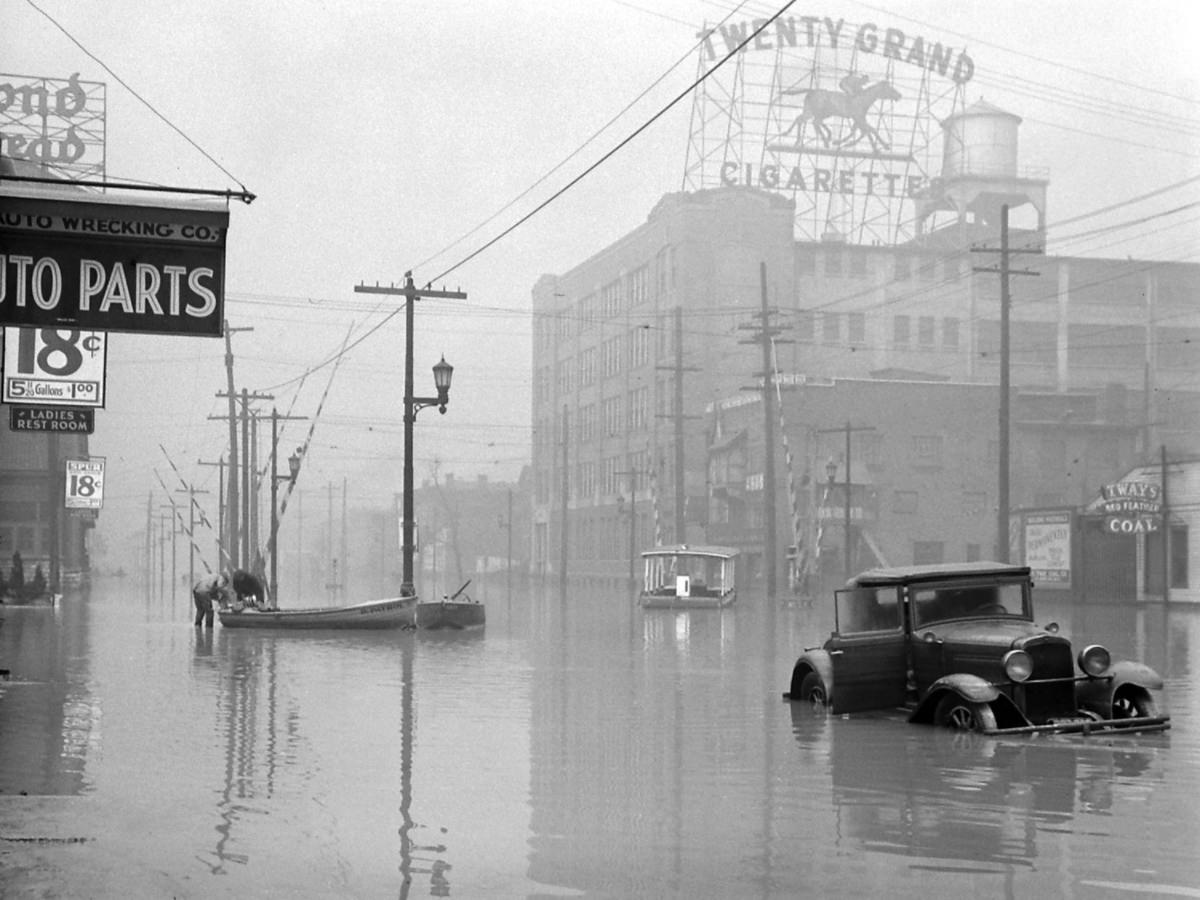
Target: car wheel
{"points": [[812, 690], [964, 715], [1133, 705]]}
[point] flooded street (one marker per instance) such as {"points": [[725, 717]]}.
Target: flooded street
{"points": [[580, 748]]}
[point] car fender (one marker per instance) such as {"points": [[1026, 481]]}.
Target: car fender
{"points": [[969, 687], [818, 661], [1097, 693]]}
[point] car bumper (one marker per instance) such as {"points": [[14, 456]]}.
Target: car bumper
{"points": [[1092, 726]]}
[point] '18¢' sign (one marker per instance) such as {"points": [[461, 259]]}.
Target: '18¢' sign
{"points": [[54, 367]]}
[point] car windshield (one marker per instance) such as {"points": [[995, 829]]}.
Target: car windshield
{"points": [[937, 604]]}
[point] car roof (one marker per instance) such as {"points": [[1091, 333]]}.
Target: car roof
{"points": [[939, 572]]}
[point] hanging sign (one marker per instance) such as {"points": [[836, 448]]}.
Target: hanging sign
{"points": [[92, 262], [54, 367], [64, 419], [85, 483]]}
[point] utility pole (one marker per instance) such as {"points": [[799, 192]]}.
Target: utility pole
{"points": [[293, 472], [678, 418], [565, 491], [223, 560], [191, 491], [633, 474], [413, 405], [232, 502], [847, 484], [765, 334], [238, 507], [1004, 271]]}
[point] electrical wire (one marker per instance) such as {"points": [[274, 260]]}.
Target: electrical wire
{"points": [[138, 96]]}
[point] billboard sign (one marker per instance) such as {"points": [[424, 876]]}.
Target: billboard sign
{"points": [[54, 366], [1047, 545], [90, 262], [54, 123], [85, 483], [60, 419]]}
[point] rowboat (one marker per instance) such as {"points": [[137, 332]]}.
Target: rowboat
{"points": [[457, 612], [393, 612], [688, 576]]}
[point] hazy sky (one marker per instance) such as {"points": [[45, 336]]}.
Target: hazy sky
{"points": [[377, 134]]}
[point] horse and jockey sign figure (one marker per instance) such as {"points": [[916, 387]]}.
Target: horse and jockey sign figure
{"points": [[852, 102]]}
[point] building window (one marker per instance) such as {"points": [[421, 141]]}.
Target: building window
{"points": [[587, 366], [831, 331], [638, 399], [858, 265], [973, 553], [612, 415], [950, 333], [587, 422], [612, 357], [900, 331], [639, 286], [927, 449], [805, 325], [806, 262], [610, 299], [611, 485], [925, 331], [587, 314], [833, 262], [903, 268], [639, 347], [974, 504], [927, 270], [904, 502], [856, 326]]}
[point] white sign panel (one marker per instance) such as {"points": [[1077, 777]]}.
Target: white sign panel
{"points": [[85, 483], [1048, 548], [54, 367]]}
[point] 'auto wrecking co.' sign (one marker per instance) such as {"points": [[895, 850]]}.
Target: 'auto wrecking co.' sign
{"points": [[95, 263]]}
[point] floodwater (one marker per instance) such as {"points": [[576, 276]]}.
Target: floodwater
{"points": [[576, 748]]}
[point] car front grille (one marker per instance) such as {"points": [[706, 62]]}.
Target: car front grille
{"points": [[1050, 691]]}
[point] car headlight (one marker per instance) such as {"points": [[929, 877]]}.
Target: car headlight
{"points": [[1018, 665], [1094, 660]]}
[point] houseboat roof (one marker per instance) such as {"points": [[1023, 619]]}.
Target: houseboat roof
{"points": [[692, 550]]}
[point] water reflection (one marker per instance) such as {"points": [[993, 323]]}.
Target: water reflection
{"points": [[966, 798], [49, 717]]}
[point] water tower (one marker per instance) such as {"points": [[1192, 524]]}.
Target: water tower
{"points": [[979, 176]]}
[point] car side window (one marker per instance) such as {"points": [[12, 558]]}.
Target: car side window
{"points": [[865, 609]]}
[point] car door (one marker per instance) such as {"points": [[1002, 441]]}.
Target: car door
{"points": [[868, 650]]}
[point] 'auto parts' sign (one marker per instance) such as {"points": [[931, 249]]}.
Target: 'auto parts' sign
{"points": [[95, 263]]}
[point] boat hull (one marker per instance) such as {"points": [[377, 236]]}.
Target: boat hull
{"points": [[659, 601], [450, 615], [394, 612]]}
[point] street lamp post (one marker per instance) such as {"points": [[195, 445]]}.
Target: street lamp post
{"points": [[412, 405], [293, 473], [442, 373]]}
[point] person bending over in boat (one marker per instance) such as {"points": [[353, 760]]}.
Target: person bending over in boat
{"points": [[208, 589], [249, 591]]}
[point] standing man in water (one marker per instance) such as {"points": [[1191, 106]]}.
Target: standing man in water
{"points": [[205, 591]]}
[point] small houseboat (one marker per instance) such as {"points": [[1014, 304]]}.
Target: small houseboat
{"points": [[688, 576]]}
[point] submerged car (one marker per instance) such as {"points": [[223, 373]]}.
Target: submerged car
{"points": [[956, 645]]}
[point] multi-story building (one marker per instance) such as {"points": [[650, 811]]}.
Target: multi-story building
{"points": [[633, 345]]}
